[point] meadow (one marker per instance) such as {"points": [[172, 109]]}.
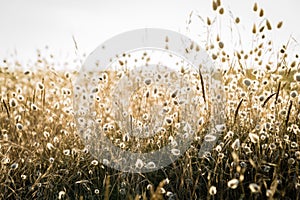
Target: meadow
{"points": [[257, 156]]}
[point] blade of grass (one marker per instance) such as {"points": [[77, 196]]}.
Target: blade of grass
{"points": [[237, 110], [267, 99]]}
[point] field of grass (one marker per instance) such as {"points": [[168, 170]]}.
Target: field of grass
{"points": [[257, 156]]}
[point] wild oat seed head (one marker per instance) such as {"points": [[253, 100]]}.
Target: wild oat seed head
{"points": [[50, 146], [19, 126], [150, 165], [210, 138], [46, 134], [247, 82], [236, 144], [66, 152], [40, 86], [139, 163], [218, 148], [261, 12], [20, 97], [294, 94], [14, 166], [230, 134], [255, 7], [13, 103], [169, 194], [254, 138], [221, 155], [208, 21], [61, 194], [175, 152], [213, 190], [254, 188], [291, 161], [214, 5], [221, 11], [233, 183], [254, 29], [34, 107], [279, 25], [5, 160], [51, 160], [221, 45], [272, 146], [294, 144], [297, 77], [94, 162], [268, 25]]}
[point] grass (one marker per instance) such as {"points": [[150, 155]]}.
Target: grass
{"points": [[257, 156]]}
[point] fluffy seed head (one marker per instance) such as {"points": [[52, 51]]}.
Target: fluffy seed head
{"points": [[233, 183], [254, 188], [212, 190]]}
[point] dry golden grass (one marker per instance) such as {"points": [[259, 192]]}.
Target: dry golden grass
{"points": [[256, 157]]}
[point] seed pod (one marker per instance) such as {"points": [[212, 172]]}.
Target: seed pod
{"points": [[214, 56], [279, 25], [121, 62], [255, 7], [233, 184], [262, 29], [221, 45], [212, 190], [215, 5], [261, 13], [269, 25], [259, 53], [208, 21], [254, 29], [293, 64], [239, 55], [254, 188], [221, 11]]}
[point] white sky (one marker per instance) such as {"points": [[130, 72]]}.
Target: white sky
{"points": [[31, 24]]}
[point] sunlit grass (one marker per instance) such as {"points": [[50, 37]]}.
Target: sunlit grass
{"points": [[257, 156]]}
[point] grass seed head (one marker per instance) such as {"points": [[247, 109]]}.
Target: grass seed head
{"points": [[213, 190], [255, 7], [254, 188], [233, 183]]}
